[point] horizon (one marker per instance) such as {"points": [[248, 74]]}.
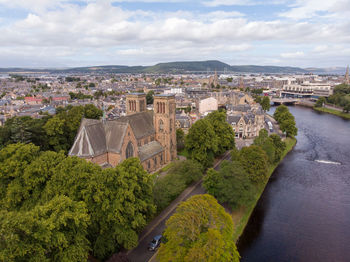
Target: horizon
{"points": [[81, 33], [184, 61]]}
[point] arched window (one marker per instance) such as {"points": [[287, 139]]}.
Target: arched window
{"points": [[129, 150], [161, 125]]}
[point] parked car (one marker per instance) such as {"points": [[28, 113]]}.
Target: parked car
{"points": [[154, 244]]}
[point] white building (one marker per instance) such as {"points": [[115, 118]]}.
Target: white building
{"points": [[207, 104]]}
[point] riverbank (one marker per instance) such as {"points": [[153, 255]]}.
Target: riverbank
{"points": [[241, 216], [332, 111]]}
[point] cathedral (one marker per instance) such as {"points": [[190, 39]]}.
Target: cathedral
{"points": [[148, 135]]}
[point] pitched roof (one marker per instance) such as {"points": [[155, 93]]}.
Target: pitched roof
{"points": [[141, 123], [91, 139], [96, 137], [115, 132], [149, 150]]}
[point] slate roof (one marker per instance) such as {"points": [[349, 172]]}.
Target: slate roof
{"points": [[96, 137], [234, 118], [149, 150], [141, 123]]}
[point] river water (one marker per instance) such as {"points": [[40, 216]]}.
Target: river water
{"points": [[304, 212]]}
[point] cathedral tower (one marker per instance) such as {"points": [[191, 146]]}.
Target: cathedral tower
{"points": [[135, 103], [164, 124]]}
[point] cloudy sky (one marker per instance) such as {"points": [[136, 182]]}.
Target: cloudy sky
{"points": [[61, 33]]}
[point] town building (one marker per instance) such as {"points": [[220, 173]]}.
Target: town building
{"points": [[207, 105], [148, 135]]}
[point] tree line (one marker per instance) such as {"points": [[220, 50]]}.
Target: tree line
{"points": [[48, 132], [200, 229], [340, 97]]}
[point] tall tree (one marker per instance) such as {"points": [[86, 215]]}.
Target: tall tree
{"points": [[202, 142], [266, 143], [55, 231], [230, 184], [199, 230], [254, 162], [223, 130], [180, 139], [265, 103]]}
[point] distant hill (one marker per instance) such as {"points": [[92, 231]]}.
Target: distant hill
{"points": [[180, 67], [328, 70]]}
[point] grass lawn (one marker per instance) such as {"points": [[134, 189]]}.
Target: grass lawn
{"points": [[241, 216], [332, 111]]}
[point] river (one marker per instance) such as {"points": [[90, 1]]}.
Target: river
{"points": [[304, 212]]}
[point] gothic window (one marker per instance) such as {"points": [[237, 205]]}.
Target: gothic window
{"points": [[161, 125], [149, 165], [129, 150], [161, 158], [155, 161], [171, 125], [163, 111]]}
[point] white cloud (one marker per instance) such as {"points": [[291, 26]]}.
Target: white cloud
{"points": [[302, 9], [214, 3], [99, 32], [293, 54]]}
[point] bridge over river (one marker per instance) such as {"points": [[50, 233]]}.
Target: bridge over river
{"points": [[285, 101]]}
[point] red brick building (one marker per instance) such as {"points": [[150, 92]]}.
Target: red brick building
{"points": [[148, 135]]}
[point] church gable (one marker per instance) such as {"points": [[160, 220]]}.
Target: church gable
{"points": [[129, 145], [90, 140], [141, 123]]}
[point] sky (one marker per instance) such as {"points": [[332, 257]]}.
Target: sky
{"points": [[67, 33]]}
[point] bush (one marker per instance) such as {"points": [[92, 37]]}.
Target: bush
{"points": [[230, 184], [188, 170], [166, 189]]}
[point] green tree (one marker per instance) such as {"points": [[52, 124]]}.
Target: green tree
{"points": [[62, 128], [188, 170], [199, 230], [55, 231], [265, 103], [289, 127], [166, 189], [286, 120], [202, 142], [223, 130], [255, 162], [230, 184], [320, 102], [346, 108], [149, 97], [279, 145], [119, 200], [266, 143], [180, 139]]}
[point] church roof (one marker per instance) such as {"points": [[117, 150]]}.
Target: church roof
{"points": [[149, 150], [141, 123], [91, 139], [96, 137]]}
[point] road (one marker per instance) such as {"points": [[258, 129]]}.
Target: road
{"points": [[157, 226]]}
